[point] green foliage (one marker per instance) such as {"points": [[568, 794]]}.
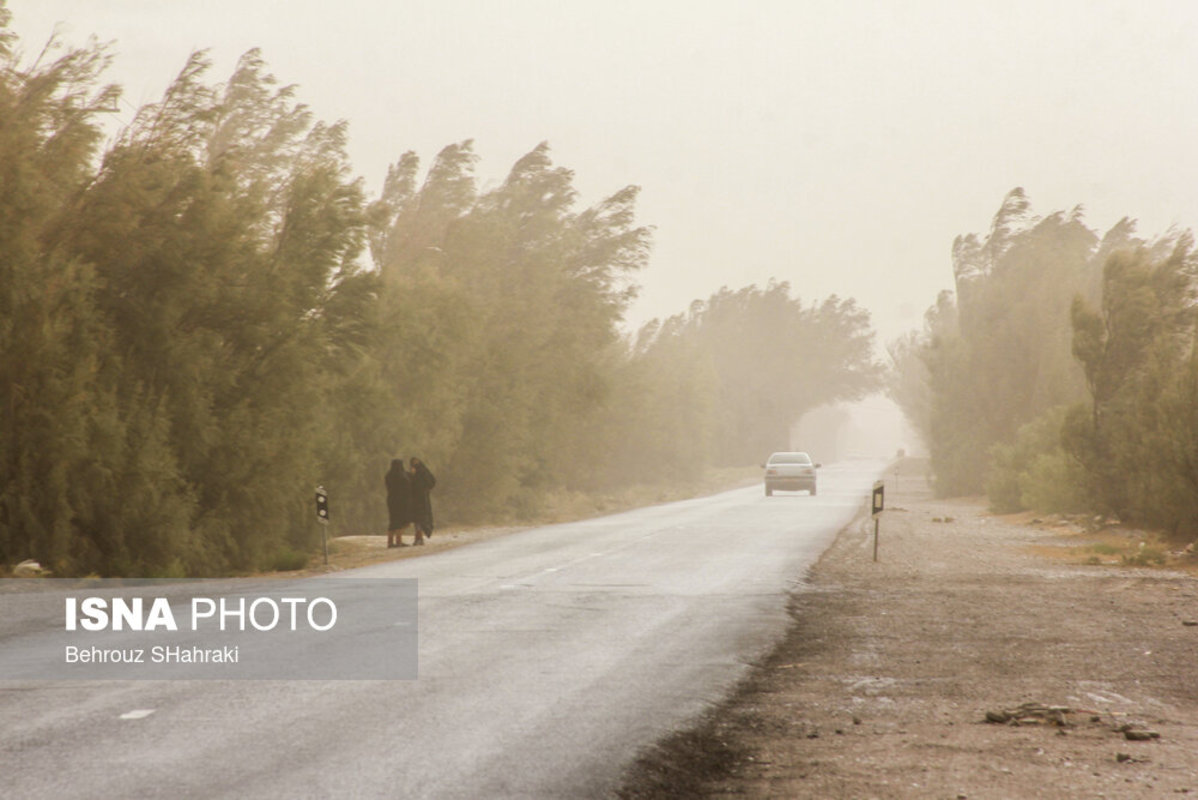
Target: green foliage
{"points": [[658, 426], [1137, 441], [190, 339], [996, 354], [288, 560], [988, 377], [497, 314], [761, 359], [218, 224], [1052, 484], [169, 317], [1034, 471], [908, 379], [1145, 557], [59, 428]]}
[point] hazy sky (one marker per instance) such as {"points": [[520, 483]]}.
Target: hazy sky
{"points": [[838, 145]]}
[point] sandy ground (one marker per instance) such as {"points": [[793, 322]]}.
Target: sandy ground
{"points": [[883, 685]]}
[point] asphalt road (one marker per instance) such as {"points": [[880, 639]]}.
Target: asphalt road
{"points": [[547, 659]]}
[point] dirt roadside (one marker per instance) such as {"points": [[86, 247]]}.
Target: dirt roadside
{"points": [[882, 687], [361, 550]]}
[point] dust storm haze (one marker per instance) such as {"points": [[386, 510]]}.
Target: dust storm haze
{"points": [[838, 146], [725, 215]]}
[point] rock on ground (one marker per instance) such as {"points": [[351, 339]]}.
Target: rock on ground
{"points": [[883, 685]]}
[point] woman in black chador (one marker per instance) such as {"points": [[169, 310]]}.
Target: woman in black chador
{"points": [[422, 505], [399, 502]]}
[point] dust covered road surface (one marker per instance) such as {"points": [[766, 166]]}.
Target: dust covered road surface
{"points": [[547, 659], [883, 686]]}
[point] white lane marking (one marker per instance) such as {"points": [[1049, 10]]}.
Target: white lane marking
{"points": [[138, 713]]}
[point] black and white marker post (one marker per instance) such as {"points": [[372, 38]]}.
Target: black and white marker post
{"points": [[879, 492], [322, 514]]}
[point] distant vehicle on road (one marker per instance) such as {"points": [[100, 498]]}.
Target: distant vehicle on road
{"points": [[791, 471]]}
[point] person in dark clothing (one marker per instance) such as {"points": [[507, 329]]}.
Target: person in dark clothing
{"points": [[399, 502], [422, 505]]}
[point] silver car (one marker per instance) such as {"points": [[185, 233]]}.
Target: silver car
{"points": [[791, 471]]}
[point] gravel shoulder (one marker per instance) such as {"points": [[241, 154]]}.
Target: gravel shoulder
{"points": [[883, 685]]}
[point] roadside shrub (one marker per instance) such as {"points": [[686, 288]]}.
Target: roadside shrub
{"points": [[1002, 487], [1145, 557], [288, 561], [1034, 471], [1053, 484]]}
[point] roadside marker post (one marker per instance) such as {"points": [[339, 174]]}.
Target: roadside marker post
{"points": [[877, 505], [322, 514]]}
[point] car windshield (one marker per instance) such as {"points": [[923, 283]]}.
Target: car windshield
{"points": [[790, 458]]}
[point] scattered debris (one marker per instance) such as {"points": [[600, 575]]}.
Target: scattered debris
{"points": [[29, 569], [1138, 734], [1030, 714], [942, 519], [1057, 716]]}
